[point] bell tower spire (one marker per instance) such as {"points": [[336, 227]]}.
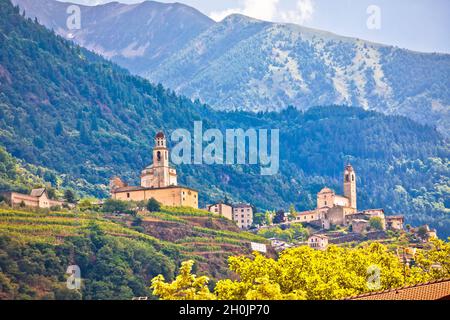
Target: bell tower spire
{"points": [[159, 174], [160, 151], [350, 185]]}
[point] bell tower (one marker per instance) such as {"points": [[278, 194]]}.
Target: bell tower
{"points": [[159, 174], [350, 185], [160, 151]]}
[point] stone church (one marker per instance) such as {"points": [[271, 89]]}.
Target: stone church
{"points": [[159, 181], [333, 209]]}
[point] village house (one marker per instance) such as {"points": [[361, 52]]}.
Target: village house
{"points": [[367, 215], [243, 215], [158, 181], [38, 198], [318, 241], [221, 209], [359, 225], [395, 222], [425, 232]]}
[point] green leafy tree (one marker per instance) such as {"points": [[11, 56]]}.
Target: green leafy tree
{"points": [[69, 196], [376, 223], [115, 206], [153, 205]]}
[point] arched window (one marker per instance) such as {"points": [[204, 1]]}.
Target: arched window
{"points": [[347, 178], [158, 155], [353, 177]]}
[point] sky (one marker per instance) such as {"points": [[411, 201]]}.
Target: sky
{"points": [[420, 25]]}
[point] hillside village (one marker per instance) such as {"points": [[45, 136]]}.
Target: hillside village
{"points": [[335, 220]]}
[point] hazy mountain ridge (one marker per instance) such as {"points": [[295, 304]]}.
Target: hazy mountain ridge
{"points": [[246, 64], [138, 36]]}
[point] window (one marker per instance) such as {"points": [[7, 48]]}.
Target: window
{"points": [[347, 178], [158, 155], [128, 195]]}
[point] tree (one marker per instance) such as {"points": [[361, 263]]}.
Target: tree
{"points": [[422, 232], [69, 195], [115, 206], [186, 286], [305, 273], [279, 217], [376, 223], [153, 205], [268, 218], [292, 212], [51, 193]]}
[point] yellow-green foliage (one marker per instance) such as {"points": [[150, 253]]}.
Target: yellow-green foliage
{"points": [[186, 211], [304, 273], [186, 286]]}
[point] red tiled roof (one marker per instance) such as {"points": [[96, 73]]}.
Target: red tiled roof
{"points": [[435, 290]]}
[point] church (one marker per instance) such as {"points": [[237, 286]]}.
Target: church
{"points": [[158, 181], [333, 209]]}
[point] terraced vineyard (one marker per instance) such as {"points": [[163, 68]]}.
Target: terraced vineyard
{"points": [[199, 235], [137, 251]]}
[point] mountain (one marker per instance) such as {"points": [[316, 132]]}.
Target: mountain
{"points": [[246, 64], [69, 110], [136, 36]]}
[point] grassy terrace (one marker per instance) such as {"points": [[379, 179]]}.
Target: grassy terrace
{"points": [[53, 227]]}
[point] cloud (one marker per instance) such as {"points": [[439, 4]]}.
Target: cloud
{"points": [[269, 10], [303, 13], [259, 9]]}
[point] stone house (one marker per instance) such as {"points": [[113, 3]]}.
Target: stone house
{"points": [[318, 241], [221, 209], [38, 198]]}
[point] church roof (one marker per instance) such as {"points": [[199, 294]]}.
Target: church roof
{"points": [[37, 192], [137, 188], [160, 135], [326, 190]]}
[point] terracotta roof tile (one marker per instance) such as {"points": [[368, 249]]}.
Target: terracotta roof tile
{"points": [[436, 290]]}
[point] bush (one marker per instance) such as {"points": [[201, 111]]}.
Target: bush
{"points": [[376, 223], [115, 206], [153, 205]]}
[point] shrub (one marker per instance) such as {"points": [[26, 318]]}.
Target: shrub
{"points": [[153, 205]]}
